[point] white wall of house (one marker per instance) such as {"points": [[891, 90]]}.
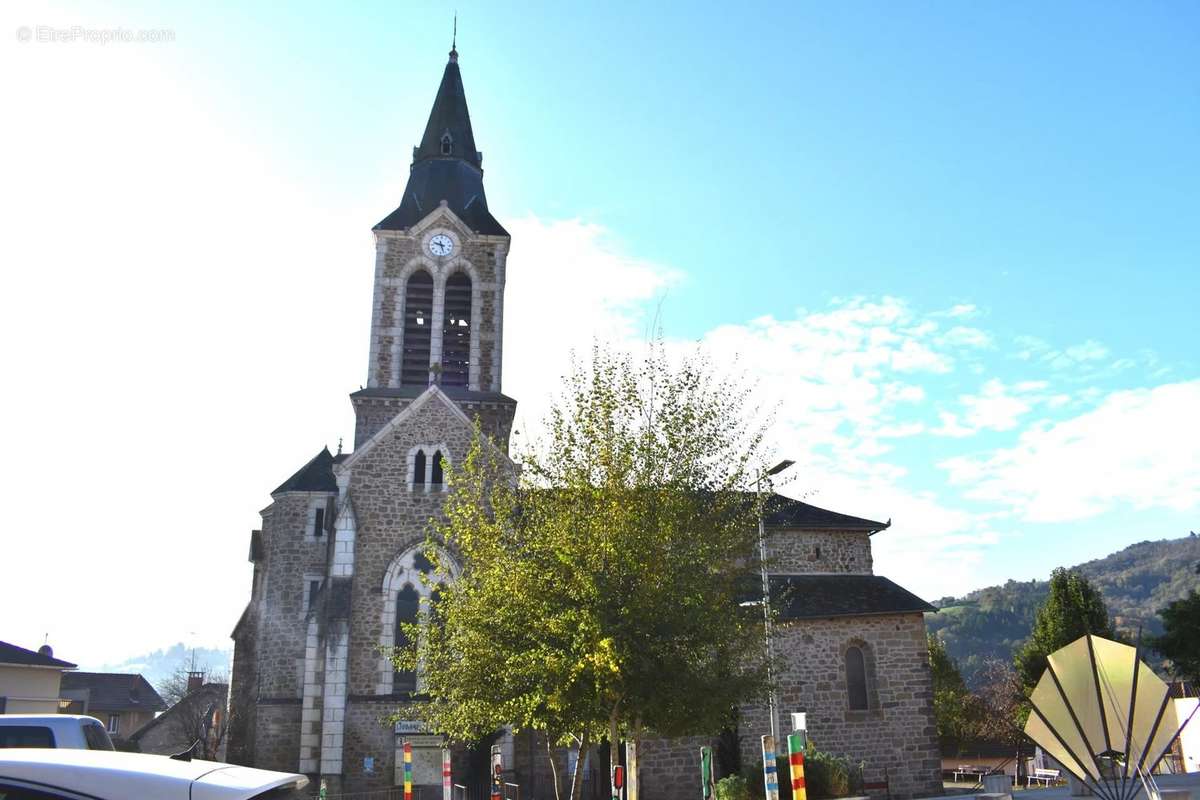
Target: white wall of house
{"points": [[30, 690]]}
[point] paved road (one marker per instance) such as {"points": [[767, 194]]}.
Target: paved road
{"points": [[1190, 781]]}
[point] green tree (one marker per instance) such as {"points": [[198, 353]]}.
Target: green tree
{"points": [[599, 586], [1073, 608], [1180, 641], [952, 703]]}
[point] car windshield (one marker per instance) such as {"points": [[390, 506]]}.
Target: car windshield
{"points": [[97, 738]]}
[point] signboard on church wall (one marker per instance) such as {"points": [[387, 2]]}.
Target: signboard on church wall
{"points": [[426, 753]]}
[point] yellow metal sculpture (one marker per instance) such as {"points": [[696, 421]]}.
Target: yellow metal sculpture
{"points": [[1104, 716]]}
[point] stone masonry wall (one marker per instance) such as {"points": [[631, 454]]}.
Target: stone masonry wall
{"points": [[897, 733], [278, 735], [798, 552], [290, 552], [244, 692], [372, 413], [289, 555], [669, 769], [397, 254], [391, 519]]}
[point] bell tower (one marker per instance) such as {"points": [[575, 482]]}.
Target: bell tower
{"points": [[438, 303]]}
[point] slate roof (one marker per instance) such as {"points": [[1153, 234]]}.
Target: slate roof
{"points": [[784, 512], [11, 654], [456, 177], [114, 691], [449, 116], [315, 476], [821, 596]]}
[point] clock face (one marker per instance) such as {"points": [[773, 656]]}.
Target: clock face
{"points": [[441, 245]]}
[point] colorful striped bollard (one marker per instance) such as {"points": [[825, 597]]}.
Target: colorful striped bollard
{"points": [[631, 771], [447, 787], [407, 771], [708, 784], [770, 768], [796, 761]]}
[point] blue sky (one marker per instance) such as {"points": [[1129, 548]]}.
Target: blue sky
{"points": [[957, 244]]}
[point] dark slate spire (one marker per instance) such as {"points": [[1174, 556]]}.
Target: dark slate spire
{"points": [[446, 166], [448, 132]]}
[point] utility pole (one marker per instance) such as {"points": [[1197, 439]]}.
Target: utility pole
{"points": [[766, 594]]}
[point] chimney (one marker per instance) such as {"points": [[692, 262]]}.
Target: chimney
{"points": [[195, 681]]}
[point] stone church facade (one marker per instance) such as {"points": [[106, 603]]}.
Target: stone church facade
{"points": [[337, 562]]}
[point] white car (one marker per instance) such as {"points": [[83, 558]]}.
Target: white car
{"points": [[39, 774], [53, 730]]}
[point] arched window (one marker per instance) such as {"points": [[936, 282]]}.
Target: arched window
{"points": [[447, 144], [856, 679], [419, 469], [407, 605], [418, 321], [456, 331], [435, 475], [407, 598]]}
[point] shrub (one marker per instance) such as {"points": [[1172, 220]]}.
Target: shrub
{"points": [[733, 787], [826, 776]]}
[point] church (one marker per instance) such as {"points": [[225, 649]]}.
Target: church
{"points": [[337, 562]]}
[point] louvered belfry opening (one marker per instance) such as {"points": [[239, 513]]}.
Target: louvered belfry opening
{"points": [[418, 321], [456, 332]]}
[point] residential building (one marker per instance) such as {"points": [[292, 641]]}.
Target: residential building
{"points": [[123, 702], [30, 680]]}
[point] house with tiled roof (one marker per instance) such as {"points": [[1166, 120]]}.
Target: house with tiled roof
{"points": [[30, 680], [123, 702]]}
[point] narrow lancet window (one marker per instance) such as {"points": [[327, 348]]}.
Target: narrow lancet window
{"points": [[418, 319], [856, 679], [407, 606], [447, 144], [456, 331], [419, 470], [435, 478]]}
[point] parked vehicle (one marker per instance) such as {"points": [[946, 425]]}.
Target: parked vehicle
{"points": [[44, 774], [70, 731]]}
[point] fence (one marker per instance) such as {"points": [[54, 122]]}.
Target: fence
{"points": [[511, 791]]}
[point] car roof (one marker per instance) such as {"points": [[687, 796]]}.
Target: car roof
{"points": [[105, 774], [54, 721], [19, 719]]}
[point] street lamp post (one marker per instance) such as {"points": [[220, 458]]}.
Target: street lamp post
{"points": [[766, 594]]}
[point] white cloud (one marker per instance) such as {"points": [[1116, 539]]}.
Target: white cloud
{"points": [[995, 408], [1090, 350], [952, 427], [914, 356], [1138, 448], [960, 311], [963, 336], [572, 275]]}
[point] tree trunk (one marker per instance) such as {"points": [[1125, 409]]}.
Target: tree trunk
{"points": [[637, 745], [553, 765], [577, 777], [614, 748]]}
